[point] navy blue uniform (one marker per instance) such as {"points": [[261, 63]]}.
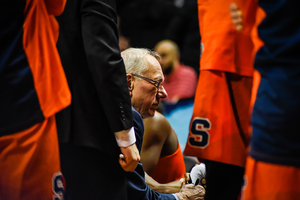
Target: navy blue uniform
{"points": [[276, 113]]}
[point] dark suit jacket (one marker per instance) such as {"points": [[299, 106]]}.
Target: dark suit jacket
{"points": [[89, 50], [137, 189]]}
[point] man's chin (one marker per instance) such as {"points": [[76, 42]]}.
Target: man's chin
{"points": [[148, 115]]}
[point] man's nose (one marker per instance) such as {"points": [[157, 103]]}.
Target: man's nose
{"points": [[162, 93]]}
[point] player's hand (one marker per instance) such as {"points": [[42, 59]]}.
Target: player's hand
{"points": [[129, 158], [236, 16], [187, 178]]}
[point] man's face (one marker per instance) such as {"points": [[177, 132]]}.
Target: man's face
{"points": [[168, 56], [145, 96]]}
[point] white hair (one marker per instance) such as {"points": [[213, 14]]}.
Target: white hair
{"points": [[134, 60]]}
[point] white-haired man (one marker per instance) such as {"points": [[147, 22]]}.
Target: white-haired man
{"points": [[145, 78]]}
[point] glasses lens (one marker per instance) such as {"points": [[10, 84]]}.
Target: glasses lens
{"points": [[157, 84]]}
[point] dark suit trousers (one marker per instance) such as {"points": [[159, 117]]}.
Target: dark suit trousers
{"points": [[91, 174]]}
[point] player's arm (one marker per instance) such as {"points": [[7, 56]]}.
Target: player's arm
{"points": [[156, 133], [182, 191], [168, 188]]}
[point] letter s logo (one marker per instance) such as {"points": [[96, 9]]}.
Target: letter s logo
{"points": [[199, 129], [58, 186]]}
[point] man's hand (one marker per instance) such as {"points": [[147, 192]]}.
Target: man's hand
{"points": [[236, 16], [191, 192], [129, 158]]}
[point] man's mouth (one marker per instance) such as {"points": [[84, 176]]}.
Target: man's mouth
{"points": [[155, 106]]}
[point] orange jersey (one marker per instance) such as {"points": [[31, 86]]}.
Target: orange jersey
{"points": [[29, 164], [31, 73], [33, 88], [170, 168], [220, 121], [267, 181], [223, 48], [219, 128]]}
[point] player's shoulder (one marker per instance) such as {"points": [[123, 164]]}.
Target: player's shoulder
{"points": [[161, 120], [158, 123]]}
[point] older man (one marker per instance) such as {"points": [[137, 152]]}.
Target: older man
{"points": [[145, 78]]}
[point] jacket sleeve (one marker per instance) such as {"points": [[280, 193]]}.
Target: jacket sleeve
{"points": [[100, 41], [137, 189]]}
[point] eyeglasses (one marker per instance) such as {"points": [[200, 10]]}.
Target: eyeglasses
{"points": [[157, 84]]}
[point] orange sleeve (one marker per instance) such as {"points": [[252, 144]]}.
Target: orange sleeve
{"points": [[39, 43], [170, 168], [55, 7]]}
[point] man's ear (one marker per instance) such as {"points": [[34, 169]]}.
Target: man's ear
{"points": [[130, 83]]}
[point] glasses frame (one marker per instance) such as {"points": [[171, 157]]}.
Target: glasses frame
{"points": [[157, 84]]}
